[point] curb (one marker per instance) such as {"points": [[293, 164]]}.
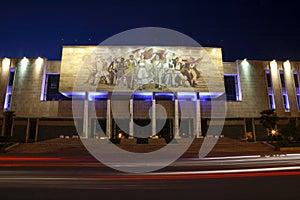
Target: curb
{"points": [[269, 145], [11, 146]]}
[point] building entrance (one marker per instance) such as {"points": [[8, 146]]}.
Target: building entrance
{"points": [[167, 130]]}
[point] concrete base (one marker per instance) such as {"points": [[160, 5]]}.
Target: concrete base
{"points": [[289, 149], [157, 141], [128, 141]]}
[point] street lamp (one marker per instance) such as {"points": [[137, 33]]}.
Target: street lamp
{"points": [[274, 132]]}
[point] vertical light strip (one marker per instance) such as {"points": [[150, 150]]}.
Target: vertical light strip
{"points": [[273, 65], [287, 71], [296, 83], [6, 67], [273, 70], [245, 64], [9, 89], [270, 90], [40, 63]]}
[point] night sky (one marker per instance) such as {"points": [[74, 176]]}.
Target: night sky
{"points": [[252, 29]]}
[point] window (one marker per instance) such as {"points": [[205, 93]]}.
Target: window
{"points": [[271, 101], [296, 80], [9, 89], [11, 77], [269, 80], [52, 88], [270, 90], [231, 87], [282, 79], [286, 102], [285, 98]]}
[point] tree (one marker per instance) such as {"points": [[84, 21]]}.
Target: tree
{"points": [[269, 120], [290, 131]]}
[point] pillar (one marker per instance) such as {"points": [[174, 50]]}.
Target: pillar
{"points": [[245, 129], [131, 117], [153, 114], [253, 130], [176, 117], [27, 130], [108, 117], [86, 117], [198, 131], [36, 130], [12, 127]]}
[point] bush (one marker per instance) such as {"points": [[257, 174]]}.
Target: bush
{"points": [[142, 141], [291, 131], [115, 140], [5, 139]]}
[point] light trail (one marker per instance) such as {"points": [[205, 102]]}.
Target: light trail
{"points": [[168, 176]]}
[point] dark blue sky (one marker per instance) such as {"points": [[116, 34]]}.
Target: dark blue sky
{"points": [[253, 29]]}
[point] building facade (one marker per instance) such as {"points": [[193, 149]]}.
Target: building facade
{"points": [[43, 93]]}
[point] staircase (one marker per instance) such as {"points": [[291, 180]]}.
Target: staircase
{"points": [[52, 146], [74, 146]]}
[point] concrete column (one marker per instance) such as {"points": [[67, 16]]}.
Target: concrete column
{"points": [[153, 114], [245, 129], [86, 117], [253, 130], [27, 130], [108, 118], [94, 133], [4, 76], [198, 131], [12, 127], [277, 89], [131, 117], [176, 117], [290, 87], [36, 130]]}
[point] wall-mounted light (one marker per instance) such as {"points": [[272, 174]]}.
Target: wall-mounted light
{"points": [[245, 63], [5, 63], [39, 61], [38, 64], [287, 64], [23, 65], [273, 64], [24, 61]]}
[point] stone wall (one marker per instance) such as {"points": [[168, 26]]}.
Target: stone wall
{"points": [[27, 98], [253, 90], [27, 88]]}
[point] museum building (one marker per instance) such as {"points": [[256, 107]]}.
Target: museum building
{"points": [[137, 80]]}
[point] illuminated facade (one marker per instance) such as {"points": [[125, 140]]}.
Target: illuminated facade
{"points": [[40, 92]]}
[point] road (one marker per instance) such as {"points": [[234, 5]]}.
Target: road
{"points": [[64, 177]]}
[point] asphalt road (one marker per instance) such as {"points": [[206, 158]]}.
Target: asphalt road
{"points": [[47, 177]]}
